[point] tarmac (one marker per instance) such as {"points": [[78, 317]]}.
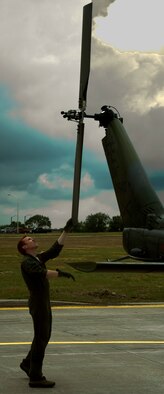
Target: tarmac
{"points": [[93, 350]]}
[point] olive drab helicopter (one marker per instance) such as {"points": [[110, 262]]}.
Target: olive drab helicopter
{"points": [[140, 208]]}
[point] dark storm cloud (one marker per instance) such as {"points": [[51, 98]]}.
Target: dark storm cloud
{"points": [[27, 153], [33, 162], [24, 152]]}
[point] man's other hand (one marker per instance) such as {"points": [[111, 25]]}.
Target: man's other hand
{"points": [[65, 274]]}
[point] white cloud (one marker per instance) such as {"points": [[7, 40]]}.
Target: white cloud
{"points": [[104, 202], [43, 181], [100, 8], [49, 59], [86, 182], [133, 25], [40, 59], [56, 182]]}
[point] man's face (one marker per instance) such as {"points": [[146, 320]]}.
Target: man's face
{"points": [[29, 244]]}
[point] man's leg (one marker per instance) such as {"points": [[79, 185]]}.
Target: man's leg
{"points": [[42, 331]]}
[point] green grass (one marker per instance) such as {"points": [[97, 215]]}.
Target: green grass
{"points": [[99, 288]]}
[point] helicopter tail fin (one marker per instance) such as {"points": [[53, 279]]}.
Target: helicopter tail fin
{"points": [[135, 195]]}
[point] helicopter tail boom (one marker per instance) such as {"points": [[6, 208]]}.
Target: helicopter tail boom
{"points": [[136, 197]]}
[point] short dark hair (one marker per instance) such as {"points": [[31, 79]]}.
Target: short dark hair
{"points": [[20, 246]]}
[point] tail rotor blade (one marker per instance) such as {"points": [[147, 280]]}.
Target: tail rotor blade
{"points": [[85, 54], [77, 173], [84, 77]]}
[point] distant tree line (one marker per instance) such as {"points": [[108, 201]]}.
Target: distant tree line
{"points": [[98, 222]]}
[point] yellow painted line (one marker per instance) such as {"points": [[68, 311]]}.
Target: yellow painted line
{"points": [[14, 343], [105, 342], [109, 306], [13, 308], [136, 306], [119, 342]]}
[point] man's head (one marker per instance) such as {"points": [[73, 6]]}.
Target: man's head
{"points": [[27, 245]]}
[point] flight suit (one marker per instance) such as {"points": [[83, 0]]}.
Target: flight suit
{"points": [[35, 276]]}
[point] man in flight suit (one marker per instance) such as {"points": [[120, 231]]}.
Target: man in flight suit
{"points": [[36, 277]]}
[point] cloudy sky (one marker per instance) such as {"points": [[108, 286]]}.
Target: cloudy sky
{"points": [[40, 45]]}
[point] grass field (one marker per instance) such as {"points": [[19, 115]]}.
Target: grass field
{"points": [[99, 288]]}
